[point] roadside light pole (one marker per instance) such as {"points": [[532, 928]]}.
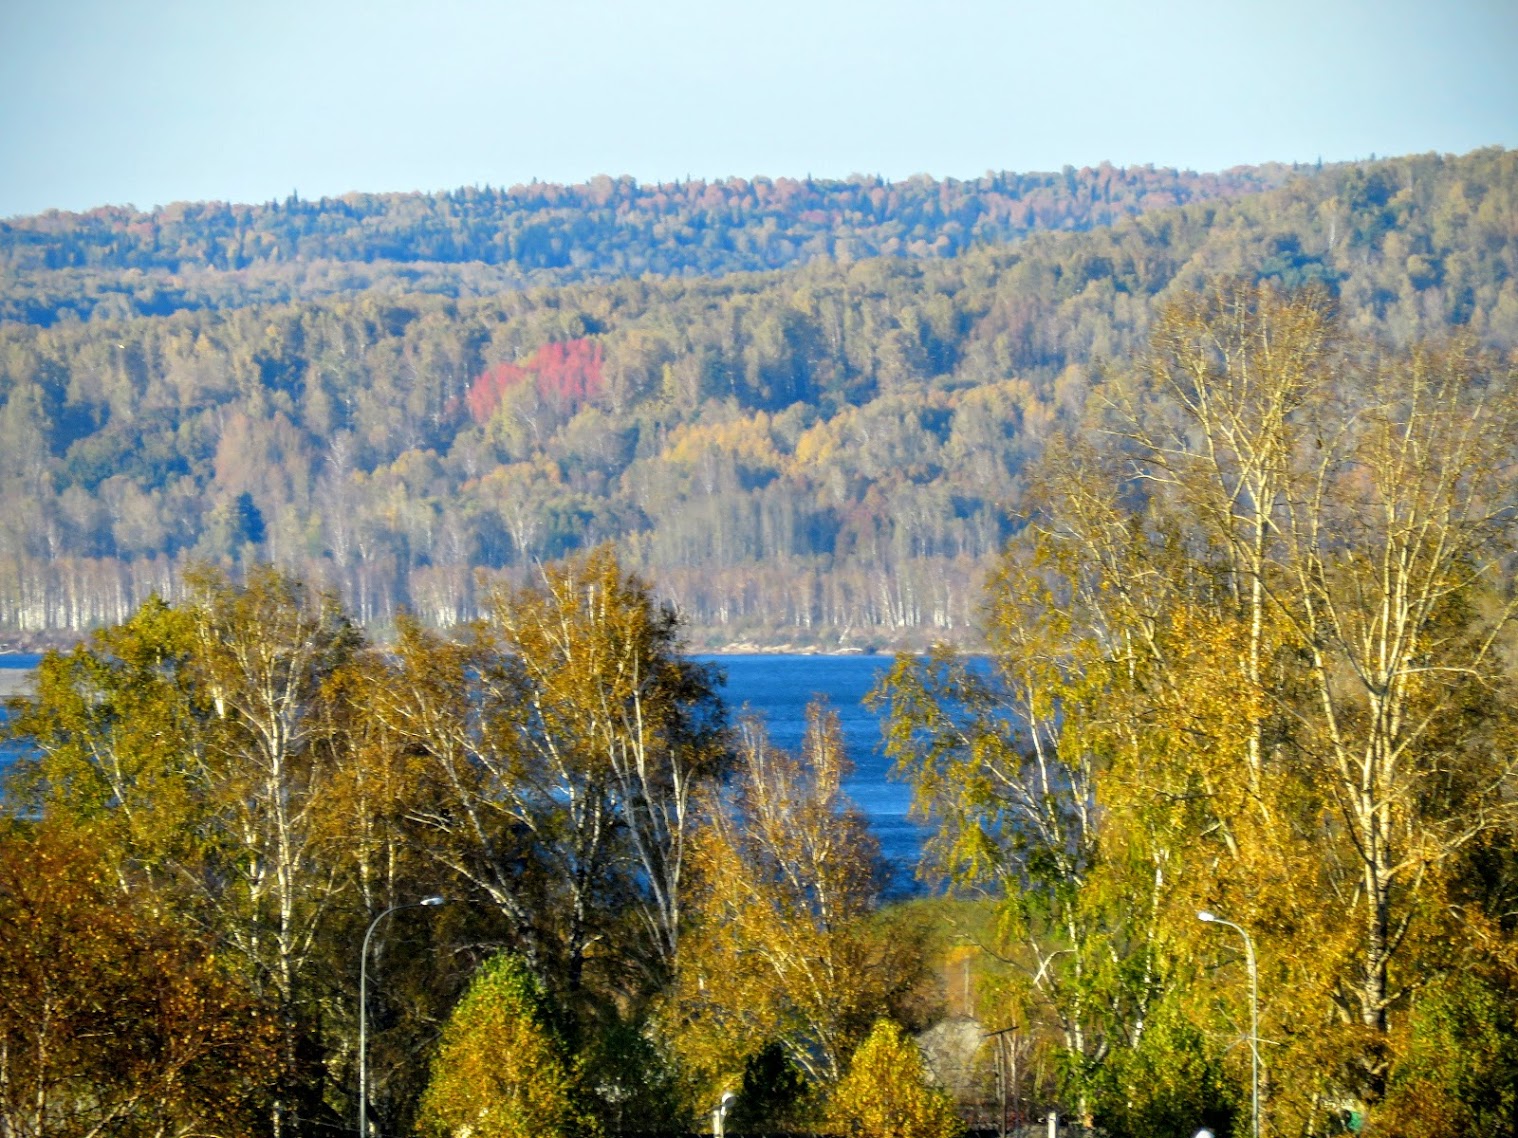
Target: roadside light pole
{"points": [[363, 1007], [719, 1115], [1254, 1011]]}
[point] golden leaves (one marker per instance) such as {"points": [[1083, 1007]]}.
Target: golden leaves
{"points": [[886, 1092], [785, 946]]}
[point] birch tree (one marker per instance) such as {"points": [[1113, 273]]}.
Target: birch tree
{"points": [[193, 741], [1254, 623], [565, 744], [615, 728], [1355, 505], [787, 947], [1397, 539], [260, 657]]}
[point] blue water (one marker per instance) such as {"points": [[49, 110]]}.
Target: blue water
{"points": [[8, 750], [778, 688]]}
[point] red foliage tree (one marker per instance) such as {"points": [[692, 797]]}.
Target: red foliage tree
{"points": [[567, 374], [489, 386]]}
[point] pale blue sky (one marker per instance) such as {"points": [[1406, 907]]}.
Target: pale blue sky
{"points": [[114, 101]]}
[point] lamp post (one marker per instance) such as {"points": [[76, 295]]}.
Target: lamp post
{"points": [[363, 1008], [1254, 1012], [719, 1115]]}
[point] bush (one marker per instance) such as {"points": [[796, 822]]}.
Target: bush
{"points": [[501, 1069], [1171, 1083], [886, 1092], [773, 1094], [1460, 1074]]}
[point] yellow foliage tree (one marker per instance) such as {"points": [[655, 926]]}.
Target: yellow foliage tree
{"points": [[786, 944], [500, 1070], [1246, 659], [886, 1093]]}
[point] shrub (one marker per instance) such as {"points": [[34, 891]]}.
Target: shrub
{"points": [[501, 1069], [886, 1092]]}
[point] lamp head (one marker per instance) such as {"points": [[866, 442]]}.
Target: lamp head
{"points": [[1204, 915], [432, 902]]}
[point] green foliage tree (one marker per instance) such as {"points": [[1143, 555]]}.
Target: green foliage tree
{"points": [[112, 722]]}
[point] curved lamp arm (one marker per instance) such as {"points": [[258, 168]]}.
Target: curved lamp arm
{"points": [[1254, 1012], [363, 1006]]}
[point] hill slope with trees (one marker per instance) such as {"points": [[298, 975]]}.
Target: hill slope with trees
{"points": [[118, 261], [828, 454]]}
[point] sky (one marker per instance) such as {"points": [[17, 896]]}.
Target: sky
{"points": [[130, 102]]}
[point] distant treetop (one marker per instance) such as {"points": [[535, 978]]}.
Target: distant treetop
{"points": [[616, 226]]}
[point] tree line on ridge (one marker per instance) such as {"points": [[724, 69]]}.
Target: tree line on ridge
{"points": [[828, 455]]}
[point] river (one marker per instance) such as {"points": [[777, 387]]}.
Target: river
{"points": [[778, 688]]}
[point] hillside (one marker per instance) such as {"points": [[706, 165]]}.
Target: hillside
{"points": [[119, 262], [821, 454]]}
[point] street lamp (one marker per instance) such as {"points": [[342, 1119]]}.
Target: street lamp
{"points": [[363, 1007], [719, 1115], [1254, 1010]]}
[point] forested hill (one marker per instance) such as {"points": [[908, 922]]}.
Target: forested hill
{"points": [[116, 262], [826, 454]]}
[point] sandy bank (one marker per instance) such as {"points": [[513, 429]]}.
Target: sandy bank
{"points": [[15, 681]]}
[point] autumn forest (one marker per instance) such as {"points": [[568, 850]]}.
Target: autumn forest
{"points": [[825, 453], [374, 540]]}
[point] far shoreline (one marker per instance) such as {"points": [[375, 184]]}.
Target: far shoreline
{"points": [[16, 681], [750, 648], [733, 648]]}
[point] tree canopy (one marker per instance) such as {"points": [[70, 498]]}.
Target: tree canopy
{"points": [[828, 453], [1249, 656]]}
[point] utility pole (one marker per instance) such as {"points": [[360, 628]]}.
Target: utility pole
{"points": [[1006, 1073]]}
